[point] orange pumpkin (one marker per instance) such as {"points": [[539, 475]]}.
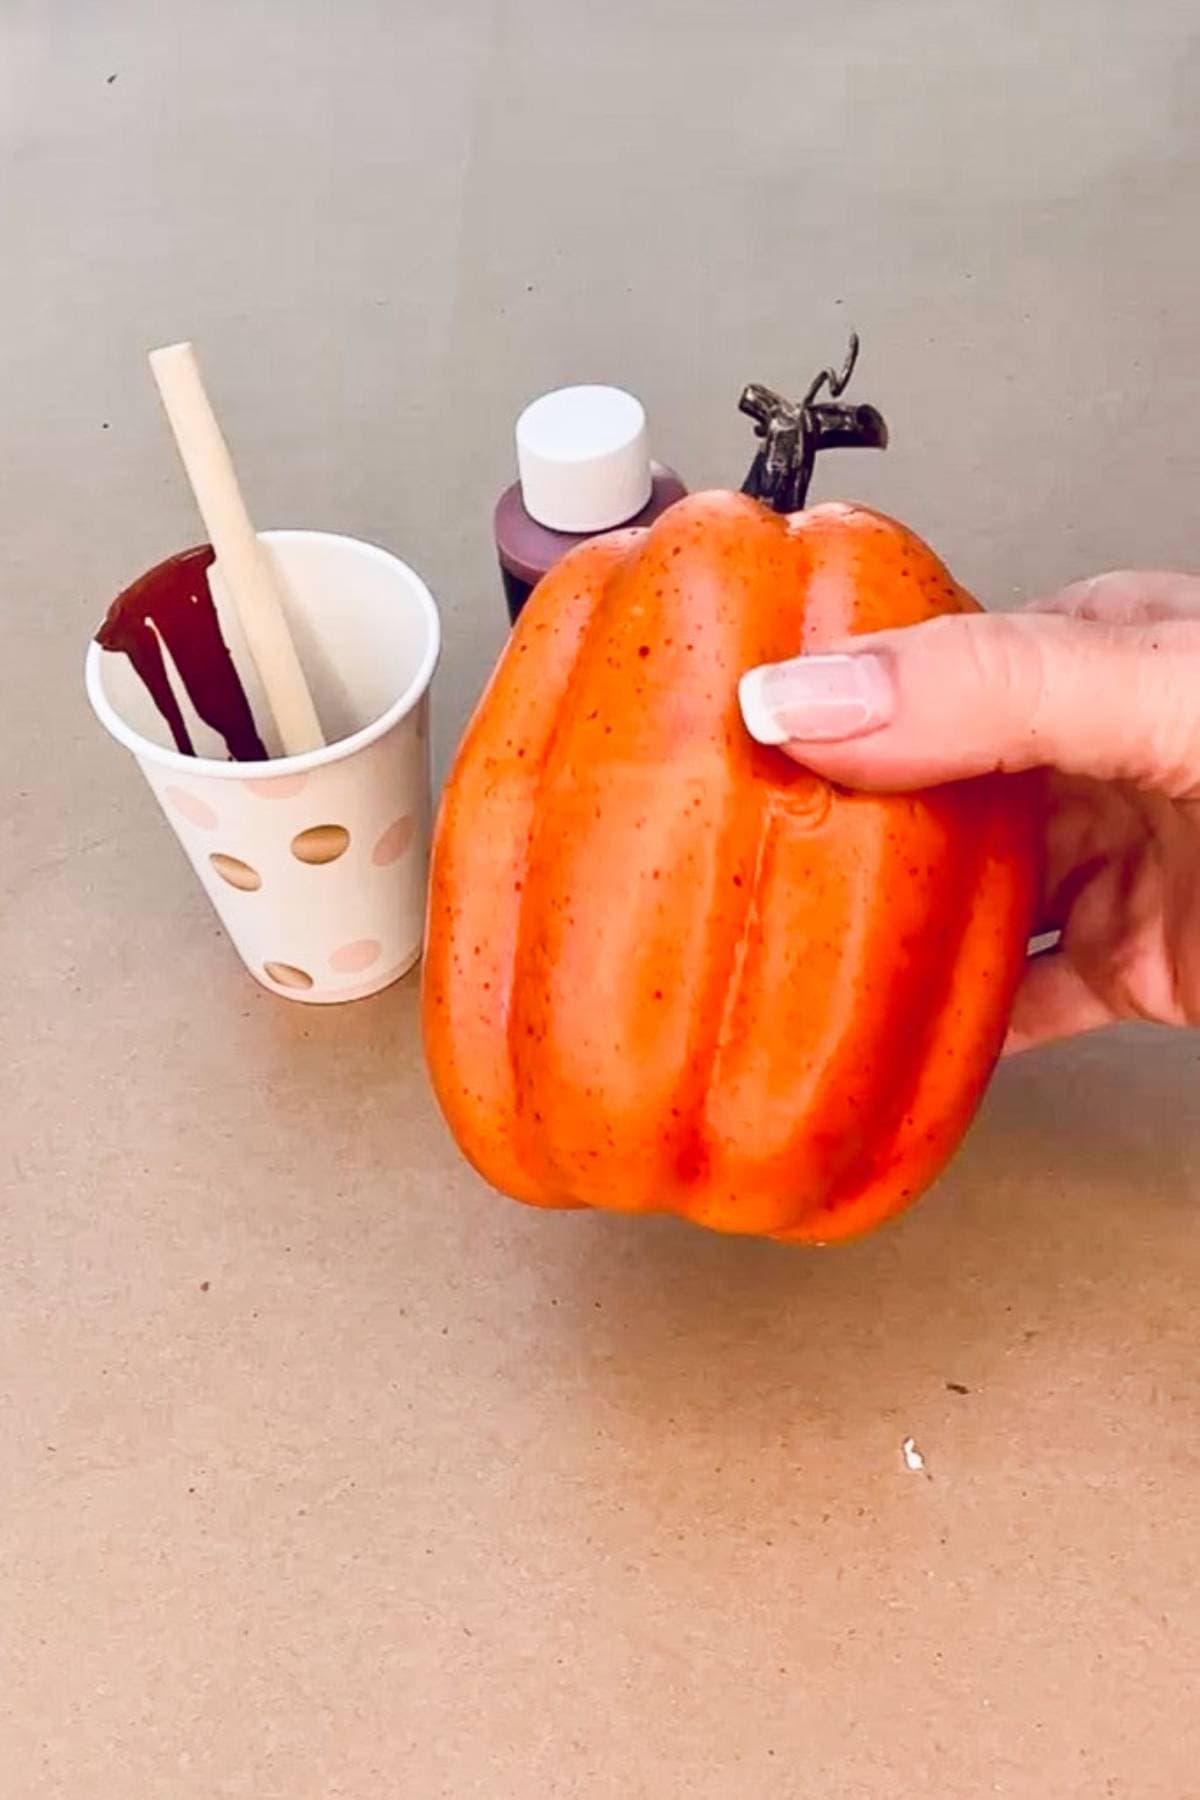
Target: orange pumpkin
{"points": [[668, 970]]}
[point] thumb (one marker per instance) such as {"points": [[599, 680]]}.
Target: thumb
{"points": [[976, 692]]}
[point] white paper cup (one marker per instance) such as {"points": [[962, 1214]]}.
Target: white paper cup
{"points": [[316, 864]]}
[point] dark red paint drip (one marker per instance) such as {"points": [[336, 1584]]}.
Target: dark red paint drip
{"points": [[172, 602]]}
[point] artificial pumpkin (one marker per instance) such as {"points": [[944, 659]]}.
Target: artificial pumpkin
{"points": [[667, 969]]}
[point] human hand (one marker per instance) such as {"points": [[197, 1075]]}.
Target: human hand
{"points": [[1100, 685]]}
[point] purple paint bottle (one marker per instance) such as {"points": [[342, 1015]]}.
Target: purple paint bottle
{"points": [[584, 464]]}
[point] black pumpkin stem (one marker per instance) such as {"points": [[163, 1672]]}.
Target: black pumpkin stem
{"points": [[794, 431]]}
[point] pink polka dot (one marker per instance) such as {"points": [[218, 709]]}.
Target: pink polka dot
{"points": [[274, 787], [394, 842], [352, 959], [190, 807]]}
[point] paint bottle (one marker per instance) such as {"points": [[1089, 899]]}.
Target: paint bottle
{"points": [[583, 461]]}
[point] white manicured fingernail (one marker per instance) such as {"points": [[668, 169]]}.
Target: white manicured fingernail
{"points": [[817, 699]]}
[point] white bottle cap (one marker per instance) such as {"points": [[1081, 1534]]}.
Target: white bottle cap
{"points": [[584, 459]]}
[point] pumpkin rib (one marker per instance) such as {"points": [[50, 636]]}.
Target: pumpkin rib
{"points": [[968, 1036], [743, 845], [726, 952], [699, 822], [807, 1081], [942, 945], [529, 1126], [475, 881]]}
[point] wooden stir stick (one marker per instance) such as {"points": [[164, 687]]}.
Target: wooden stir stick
{"points": [[243, 562]]}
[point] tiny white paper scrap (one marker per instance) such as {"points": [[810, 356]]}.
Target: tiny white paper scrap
{"points": [[912, 1456]]}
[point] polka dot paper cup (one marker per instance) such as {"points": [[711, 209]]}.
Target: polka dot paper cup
{"points": [[316, 864]]}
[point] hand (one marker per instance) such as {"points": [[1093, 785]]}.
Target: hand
{"points": [[1101, 686]]}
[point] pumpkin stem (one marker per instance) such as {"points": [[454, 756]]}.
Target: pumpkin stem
{"points": [[794, 431]]}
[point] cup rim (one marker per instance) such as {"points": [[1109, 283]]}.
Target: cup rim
{"points": [[146, 750]]}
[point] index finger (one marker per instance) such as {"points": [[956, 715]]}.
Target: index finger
{"points": [[1126, 597]]}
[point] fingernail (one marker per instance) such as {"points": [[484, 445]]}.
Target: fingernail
{"points": [[817, 699]]}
